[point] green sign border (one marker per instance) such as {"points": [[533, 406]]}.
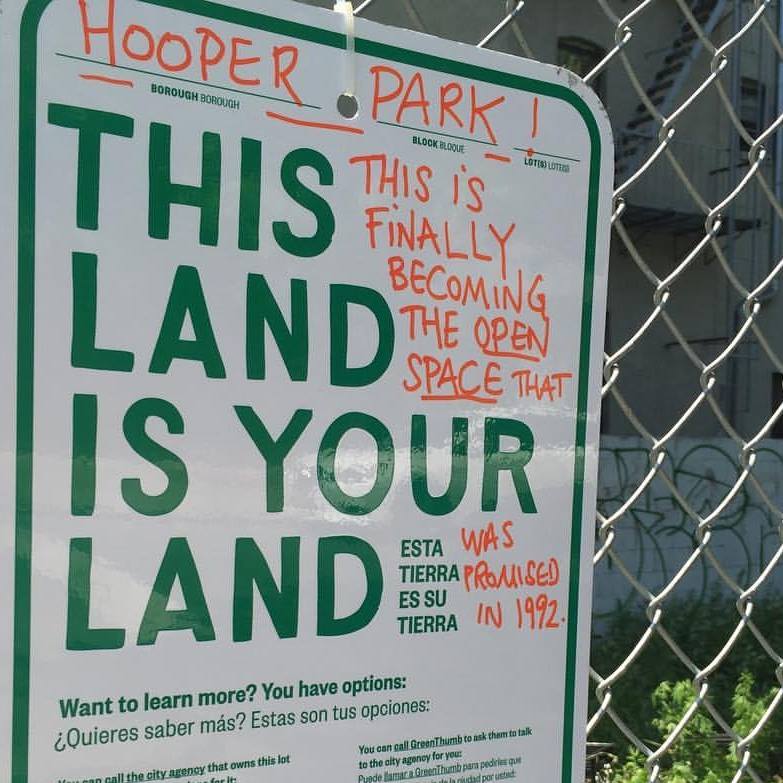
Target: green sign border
{"points": [[28, 68]]}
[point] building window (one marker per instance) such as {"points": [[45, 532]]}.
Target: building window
{"points": [[777, 399], [581, 56], [753, 99]]}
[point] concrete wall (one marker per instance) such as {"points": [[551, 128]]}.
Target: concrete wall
{"points": [[655, 538]]}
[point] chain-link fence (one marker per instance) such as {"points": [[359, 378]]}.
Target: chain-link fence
{"points": [[690, 526]]}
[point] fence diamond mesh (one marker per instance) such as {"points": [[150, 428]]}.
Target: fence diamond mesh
{"points": [[695, 92]]}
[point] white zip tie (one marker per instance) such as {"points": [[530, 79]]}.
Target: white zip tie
{"points": [[345, 7]]}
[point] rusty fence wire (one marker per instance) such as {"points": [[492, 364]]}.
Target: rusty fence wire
{"points": [[694, 357]]}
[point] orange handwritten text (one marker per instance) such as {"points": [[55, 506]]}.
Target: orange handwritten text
{"points": [[409, 100], [199, 52], [482, 540], [443, 379], [510, 576], [548, 386]]}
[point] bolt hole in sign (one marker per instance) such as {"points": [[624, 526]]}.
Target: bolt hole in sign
{"points": [[299, 402]]}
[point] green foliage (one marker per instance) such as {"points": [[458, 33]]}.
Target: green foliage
{"points": [[633, 770], [700, 754], [741, 689]]}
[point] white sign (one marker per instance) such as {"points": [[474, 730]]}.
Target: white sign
{"points": [[299, 404]]}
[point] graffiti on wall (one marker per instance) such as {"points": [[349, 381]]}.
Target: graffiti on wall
{"points": [[656, 535]]}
